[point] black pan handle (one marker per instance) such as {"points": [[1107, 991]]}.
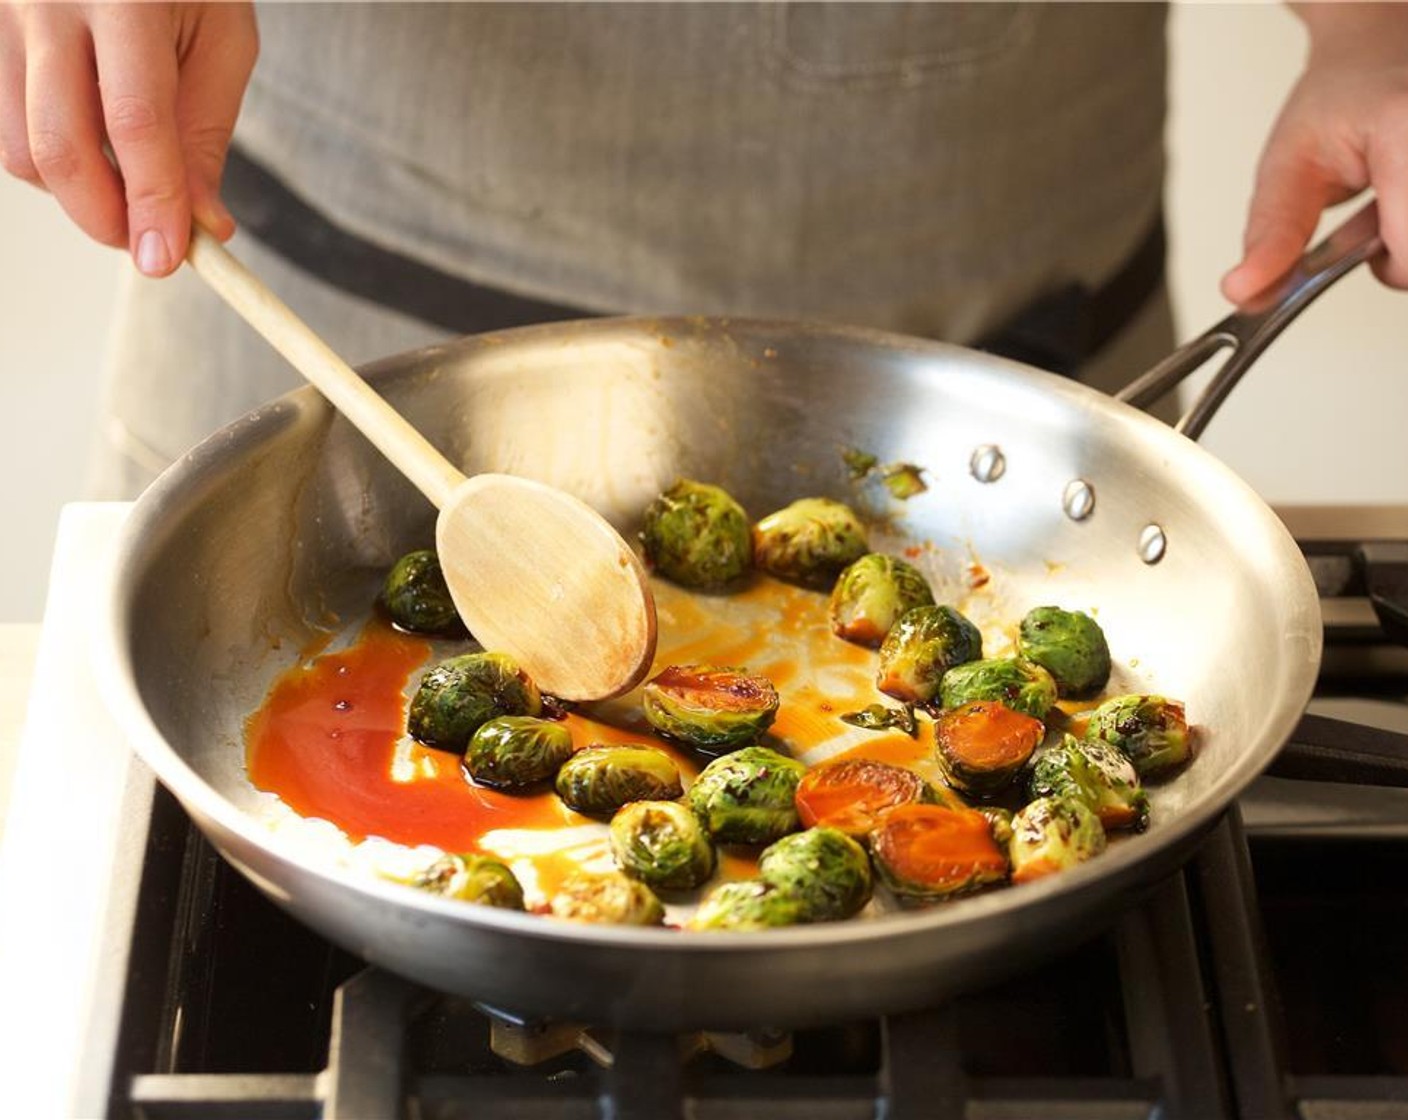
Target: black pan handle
{"points": [[1385, 568], [1250, 329], [1322, 749]]}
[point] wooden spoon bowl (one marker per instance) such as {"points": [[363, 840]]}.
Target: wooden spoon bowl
{"points": [[533, 571]]}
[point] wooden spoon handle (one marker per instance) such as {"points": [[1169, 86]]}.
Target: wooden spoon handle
{"points": [[408, 450]]}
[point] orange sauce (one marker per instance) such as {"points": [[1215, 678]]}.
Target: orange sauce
{"points": [[330, 740]]}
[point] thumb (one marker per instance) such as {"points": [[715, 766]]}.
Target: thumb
{"points": [[1292, 191]]}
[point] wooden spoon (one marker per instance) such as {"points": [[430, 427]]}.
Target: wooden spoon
{"points": [[534, 572]]}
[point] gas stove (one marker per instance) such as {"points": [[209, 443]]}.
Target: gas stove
{"points": [[1268, 977]]}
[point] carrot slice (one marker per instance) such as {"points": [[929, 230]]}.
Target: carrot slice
{"points": [[931, 851], [854, 794], [982, 744]]}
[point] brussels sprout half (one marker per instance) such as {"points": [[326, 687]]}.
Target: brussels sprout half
{"points": [[872, 594], [1095, 773], [746, 905], [823, 868], [611, 898], [459, 695], [1069, 645], [1022, 685], [709, 707], [920, 648], [809, 542], [854, 794], [416, 597], [1151, 731], [598, 780], [748, 797], [927, 852], [1052, 834], [662, 844], [981, 745], [696, 535], [515, 752], [472, 878]]}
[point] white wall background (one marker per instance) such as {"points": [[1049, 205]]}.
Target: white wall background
{"points": [[1320, 420]]}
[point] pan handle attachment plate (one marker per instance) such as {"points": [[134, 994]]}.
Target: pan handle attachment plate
{"points": [[1249, 330]]}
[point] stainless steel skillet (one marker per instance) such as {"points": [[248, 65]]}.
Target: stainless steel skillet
{"points": [[231, 562]]}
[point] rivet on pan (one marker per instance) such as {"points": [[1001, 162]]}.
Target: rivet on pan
{"points": [[1079, 499], [1152, 543], [987, 463]]}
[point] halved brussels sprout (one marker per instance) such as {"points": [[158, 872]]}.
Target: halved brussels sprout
{"points": [[1069, 645], [1151, 731], [854, 794], [1022, 685], [982, 745], [514, 752], [872, 594], [709, 707], [744, 905], [920, 648], [610, 898], [662, 844], [696, 535], [1095, 773], [472, 878], [1051, 834], [459, 695], [823, 868], [598, 780], [809, 542], [748, 797], [415, 596], [927, 852]]}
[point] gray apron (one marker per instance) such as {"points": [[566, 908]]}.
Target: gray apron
{"points": [[928, 168]]}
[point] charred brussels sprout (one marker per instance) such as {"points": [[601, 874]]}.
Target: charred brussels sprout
{"points": [[823, 868], [1000, 823], [599, 780], [611, 898], [1151, 731], [459, 695], [809, 542], [981, 745], [662, 844], [1021, 685], [472, 879], [920, 648], [1095, 773], [748, 797], [709, 707], [514, 752], [927, 852], [854, 794], [696, 535], [1070, 646], [1051, 834], [872, 594], [416, 598], [751, 904]]}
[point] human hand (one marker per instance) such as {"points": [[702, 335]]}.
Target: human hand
{"points": [[160, 84], [1344, 128]]}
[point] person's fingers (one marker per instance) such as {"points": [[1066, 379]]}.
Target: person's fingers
{"points": [[214, 72], [14, 132], [136, 56], [1388, 172], [65, 131], [1292, 189]]}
